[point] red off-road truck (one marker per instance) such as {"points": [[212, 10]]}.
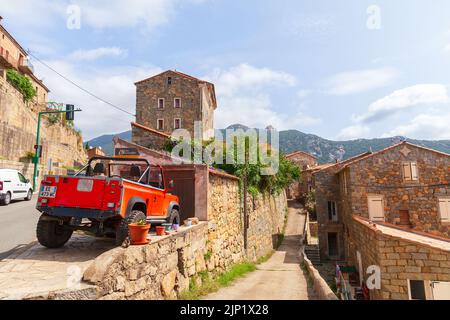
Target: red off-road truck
{"points": [[103, 198]]}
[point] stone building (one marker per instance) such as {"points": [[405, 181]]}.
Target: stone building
{"points": [[391, 209], [14, 56], [173, 100], [304, 161], [62, 145]]}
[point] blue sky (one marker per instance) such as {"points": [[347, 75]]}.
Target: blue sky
{"points": [[339, 69]]}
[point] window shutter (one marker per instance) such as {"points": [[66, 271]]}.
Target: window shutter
{"points": [[444, 209], [407, 171], [414, 171], [376, 209]]}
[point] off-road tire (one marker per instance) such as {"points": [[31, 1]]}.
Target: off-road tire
{"points": [[122, 232], [51, 234], [7, 199], [174, 217], [29, 195]]}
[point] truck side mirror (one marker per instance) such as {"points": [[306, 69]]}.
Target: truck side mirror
{"points": [[171, 184]]}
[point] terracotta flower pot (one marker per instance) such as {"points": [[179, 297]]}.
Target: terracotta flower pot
{"points": [[139, 233], [160, 231]]}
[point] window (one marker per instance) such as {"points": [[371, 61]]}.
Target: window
{"points": [[22, 179], [333, 250], [169, 81], [160, 103], [160, 124], [332, 211], [417, 290], [444, 209], [177, 123], [177, 103], [376, 208], [410, 172]]}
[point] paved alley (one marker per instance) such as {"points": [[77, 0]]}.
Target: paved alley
{"points": [[281, 277]]}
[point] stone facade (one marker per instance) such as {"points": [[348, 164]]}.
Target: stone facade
{"points": [[173, 96], [14, 56], [412, 205], [304, 161], [18, 125], [148, 138], [400, 259]]}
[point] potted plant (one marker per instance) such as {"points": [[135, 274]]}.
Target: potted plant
{"points": [[139, 232]]}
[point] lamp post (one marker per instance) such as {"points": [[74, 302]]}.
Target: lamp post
{"points": [[70, 110]]}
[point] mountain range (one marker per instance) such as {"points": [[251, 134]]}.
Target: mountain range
{"points": [[294, 140]]}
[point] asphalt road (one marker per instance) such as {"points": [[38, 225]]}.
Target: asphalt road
{"points": [[17, 225]]}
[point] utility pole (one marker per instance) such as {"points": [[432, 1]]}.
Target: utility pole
{"points": [[245, 190], [70, 110]]}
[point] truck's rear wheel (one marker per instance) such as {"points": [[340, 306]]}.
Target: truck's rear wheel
{"points": [[51, 234], [122, 230]]}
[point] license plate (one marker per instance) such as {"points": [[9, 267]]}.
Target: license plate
{"points": [[48, 192]]}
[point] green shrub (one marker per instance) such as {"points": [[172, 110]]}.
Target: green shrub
{"points": [[21, 83]]}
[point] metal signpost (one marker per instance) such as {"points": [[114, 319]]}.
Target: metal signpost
{"points": [[70, 116]]}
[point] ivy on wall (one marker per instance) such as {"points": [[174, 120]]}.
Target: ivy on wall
{"points": [[21, 83]]}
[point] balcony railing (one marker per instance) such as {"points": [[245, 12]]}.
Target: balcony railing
{"points": [[26, 66]]}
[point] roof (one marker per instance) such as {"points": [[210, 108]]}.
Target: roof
{"points": [[184, 75], [153, 131], [420, 238], [300, 152], [331, 165], [320, 167], [210, 85], [13, 39], [389, 149], [39, 82]]}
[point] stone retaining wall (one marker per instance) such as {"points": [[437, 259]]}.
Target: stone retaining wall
{"points": [[18, 125], [160, 270]]}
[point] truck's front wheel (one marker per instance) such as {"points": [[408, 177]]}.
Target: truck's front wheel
{"points": [[51, 234], [122, 230]]}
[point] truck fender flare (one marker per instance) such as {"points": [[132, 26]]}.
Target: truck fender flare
{"points": [[132, 202]]}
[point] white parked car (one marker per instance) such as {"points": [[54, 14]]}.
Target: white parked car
{"points": [[14, 186]]}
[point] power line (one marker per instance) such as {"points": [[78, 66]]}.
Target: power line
{"points": [[80, 87]]}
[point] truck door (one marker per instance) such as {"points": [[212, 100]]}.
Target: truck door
{"points": [[157, 197]]}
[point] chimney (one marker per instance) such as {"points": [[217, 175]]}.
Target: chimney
{"points": [[1, 18]]}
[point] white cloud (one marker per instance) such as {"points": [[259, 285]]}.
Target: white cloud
{"points": [[94, 54], [405, 99], [354, 132], [425, 126], [246, 77], [360, 81], [97, 14], [242, 93], [116, 85]]}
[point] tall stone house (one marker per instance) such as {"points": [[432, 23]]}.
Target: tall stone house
{"points": [[304, 161], [389, 209], [14, 56], [169, 101]]}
